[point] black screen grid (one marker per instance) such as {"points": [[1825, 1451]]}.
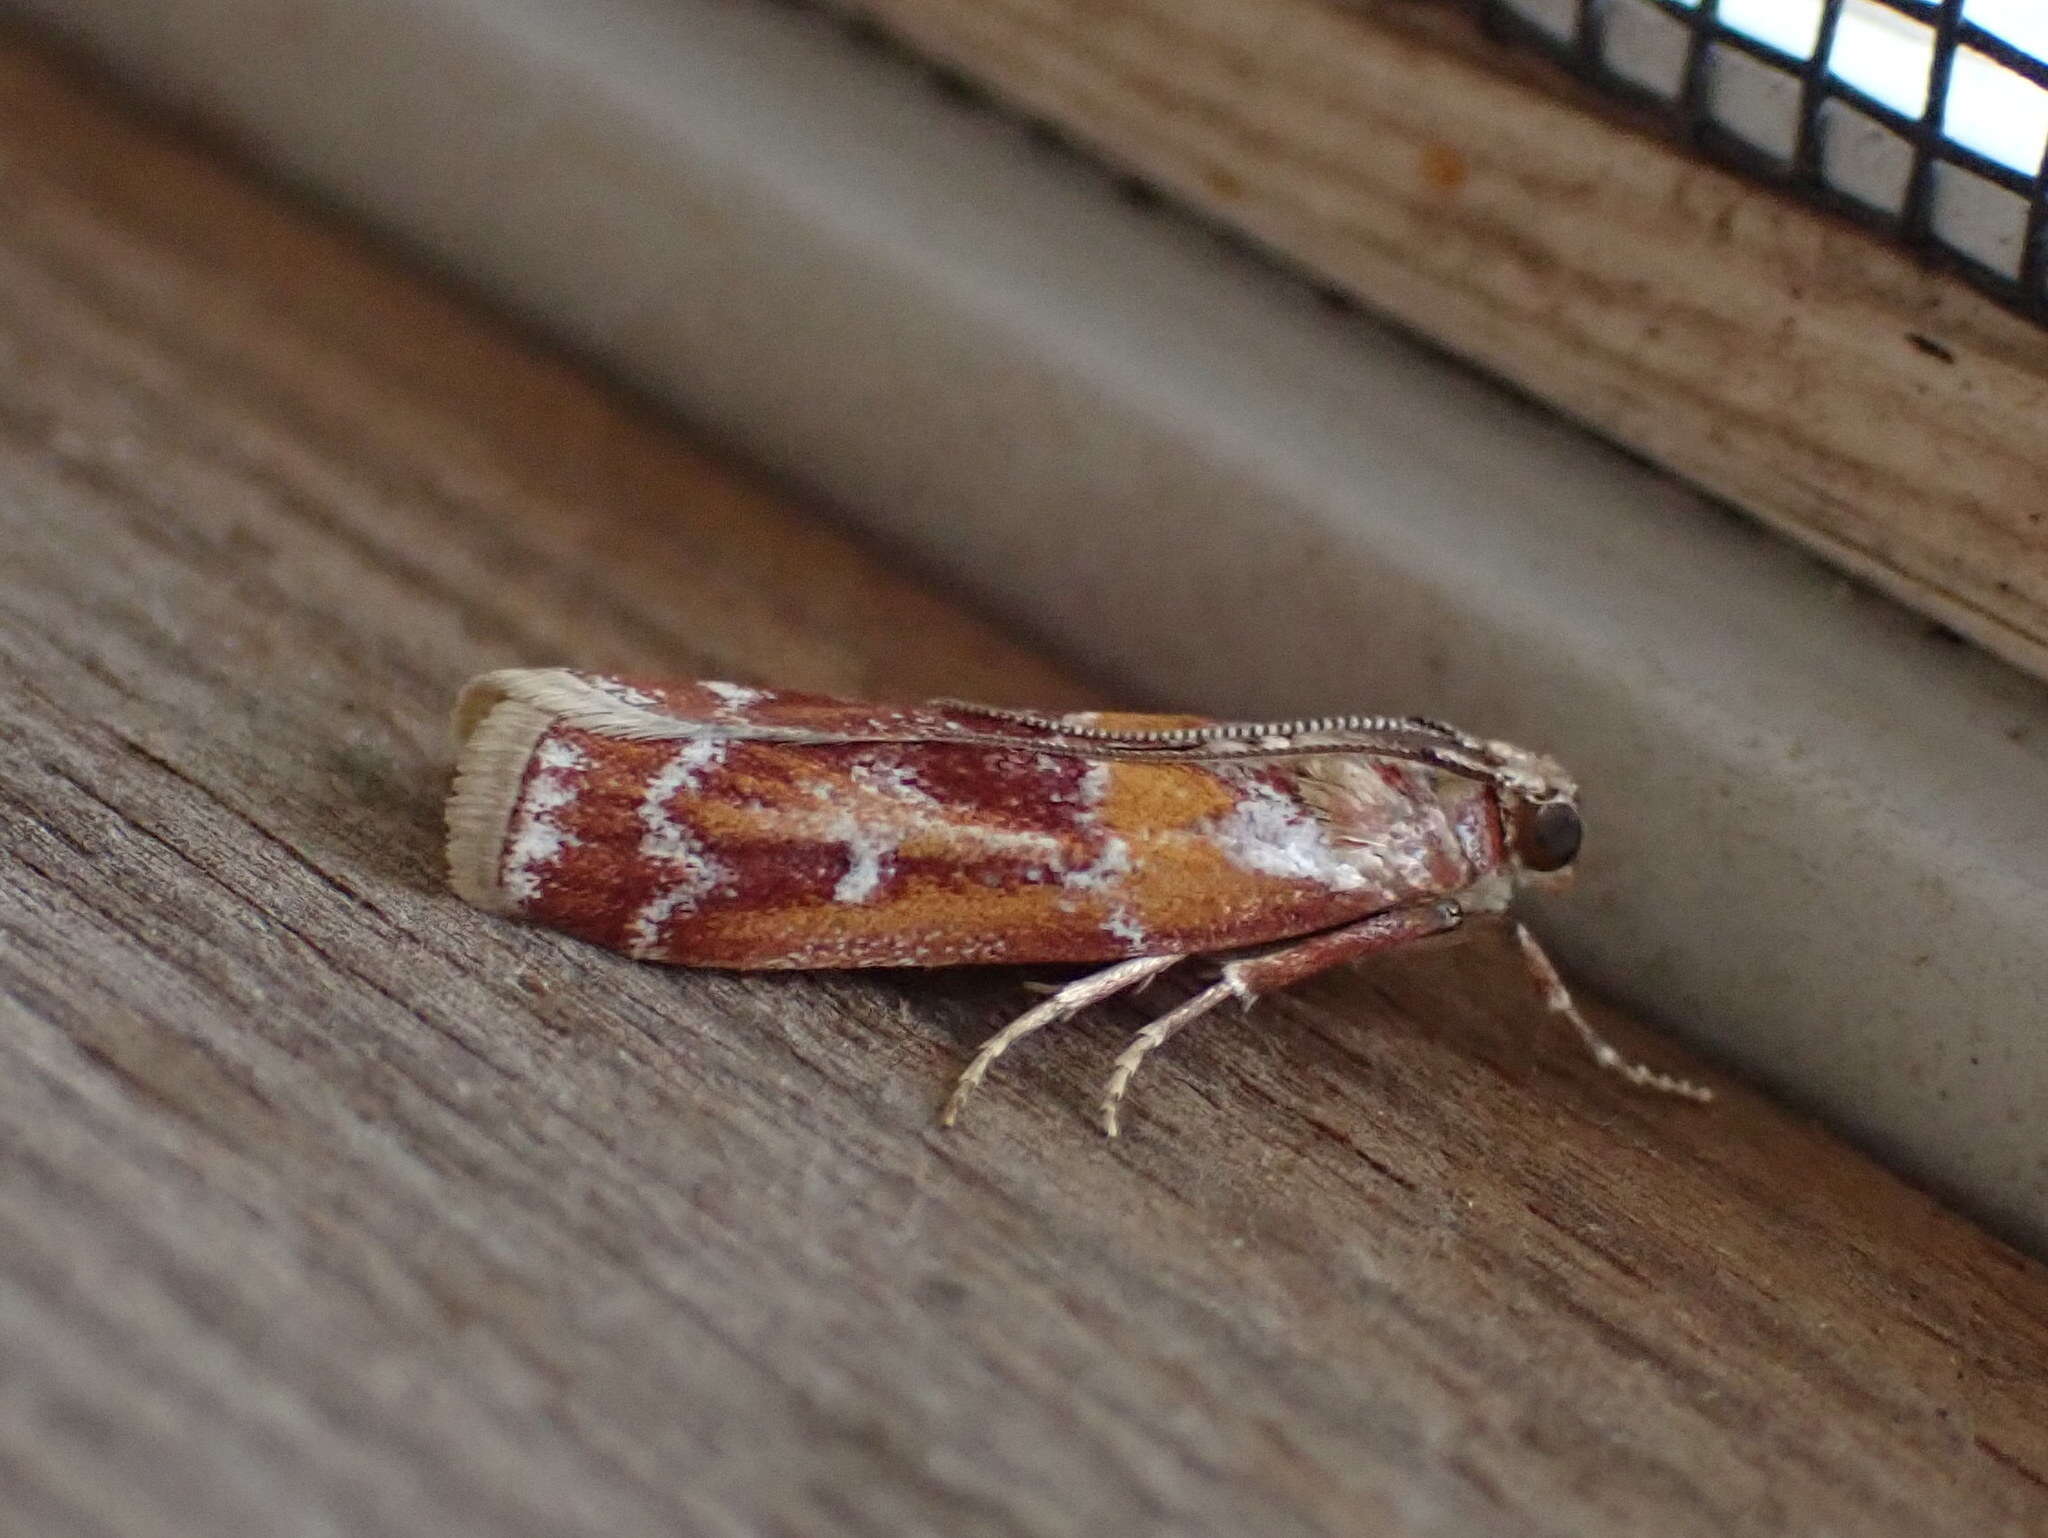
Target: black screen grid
{"points": [[1827, 138]]}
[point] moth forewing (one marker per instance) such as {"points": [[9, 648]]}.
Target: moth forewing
{"points": [[703, 823]]}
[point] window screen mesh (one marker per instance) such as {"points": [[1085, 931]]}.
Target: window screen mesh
{"points": [[1926, 118]]}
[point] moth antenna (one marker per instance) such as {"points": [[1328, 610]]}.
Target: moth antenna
{"points": [[1220, 731]]}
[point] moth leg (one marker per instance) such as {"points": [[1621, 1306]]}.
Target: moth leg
{"points": [[1065, 1002], [1256, 975], [1560, 1002]]}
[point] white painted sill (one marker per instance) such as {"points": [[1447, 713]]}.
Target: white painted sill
{"points": [[1819, 846]]}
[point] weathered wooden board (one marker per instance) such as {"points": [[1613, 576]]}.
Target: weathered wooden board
{"points": [[1883, 413], [331, 1206]]}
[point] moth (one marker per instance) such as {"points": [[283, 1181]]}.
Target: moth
{"points": [[715, 825]]}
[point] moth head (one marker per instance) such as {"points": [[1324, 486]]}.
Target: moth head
{"points": [[1539, 811], [1543, 836]]}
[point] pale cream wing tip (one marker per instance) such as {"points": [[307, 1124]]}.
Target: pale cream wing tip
{"points": [[500, 719], [496, 733]]}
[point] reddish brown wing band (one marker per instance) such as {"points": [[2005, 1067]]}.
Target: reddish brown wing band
{"points": [[713, 824]]}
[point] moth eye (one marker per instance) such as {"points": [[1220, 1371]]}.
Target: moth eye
{"points": [[1547, 836]]}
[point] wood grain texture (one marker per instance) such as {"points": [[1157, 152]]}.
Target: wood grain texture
{"points": [[1881, 412], [332, 1206]]}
